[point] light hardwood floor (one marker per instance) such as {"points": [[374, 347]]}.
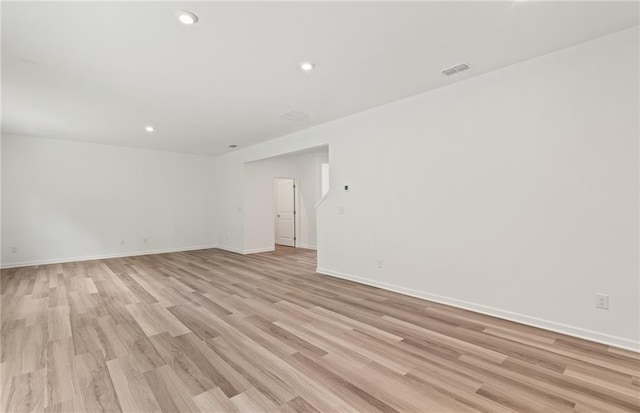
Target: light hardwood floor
{"points": [[214, 331]]}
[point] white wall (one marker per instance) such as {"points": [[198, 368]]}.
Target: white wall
{"points": [[65, 200], [514, 193], [310, 177], [259, 198]]}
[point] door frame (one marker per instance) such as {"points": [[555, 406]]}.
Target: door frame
{"points": [[296, 213]]}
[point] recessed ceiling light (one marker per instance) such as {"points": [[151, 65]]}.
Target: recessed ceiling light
{"points": [[307, 66], [186, 17], [149, 128], [233, 146]]}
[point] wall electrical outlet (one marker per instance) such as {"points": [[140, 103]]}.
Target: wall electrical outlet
{"points": [[144, 240], [122, 242], [341, 210], [14, 249], [380, 263], [602, 301]]}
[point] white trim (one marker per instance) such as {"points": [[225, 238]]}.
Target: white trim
{"points": [[325, 196], [246, 252], [258, 250], [230, 249], [307, 247], [103, 256], [579, 332]]}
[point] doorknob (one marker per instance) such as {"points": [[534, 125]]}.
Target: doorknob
{"points": [[278, 215]]}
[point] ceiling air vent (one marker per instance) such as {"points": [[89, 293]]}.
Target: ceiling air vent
{"points": [[456, 69], [294, 116]]}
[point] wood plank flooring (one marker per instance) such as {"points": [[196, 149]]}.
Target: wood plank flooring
{"points": [[213, 331]]}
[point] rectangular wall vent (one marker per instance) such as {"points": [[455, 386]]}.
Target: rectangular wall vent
{"points": [[456, 69], [294, 116]]}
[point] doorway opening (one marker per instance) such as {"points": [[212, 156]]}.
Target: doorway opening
{"points": [[290, 185], [285, 219]]}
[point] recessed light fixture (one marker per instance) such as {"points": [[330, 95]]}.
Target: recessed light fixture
{"points": [[186, 17], [233, 146], [149, 129], [307, 66]]}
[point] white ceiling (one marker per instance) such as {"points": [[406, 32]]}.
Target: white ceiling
{"points": [[105, 70]]}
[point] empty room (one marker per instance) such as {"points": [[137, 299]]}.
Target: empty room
{"points": [[320, 207]]}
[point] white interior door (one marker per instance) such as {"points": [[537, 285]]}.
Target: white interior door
{"points": [[285, 212]]}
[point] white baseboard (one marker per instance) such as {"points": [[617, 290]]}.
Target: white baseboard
{"points": [[230, 249], [578, 332], [103, 256], [307, 247], [258, 250], [245, 252]]}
